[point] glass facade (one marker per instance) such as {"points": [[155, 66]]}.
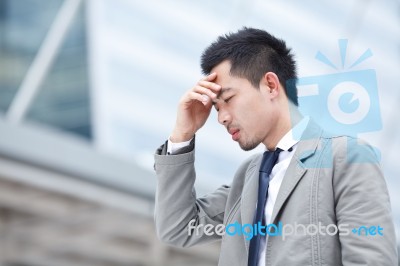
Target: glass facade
{"points": [[62, 100]]}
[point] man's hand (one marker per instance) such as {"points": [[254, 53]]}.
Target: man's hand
{"points": [[194, 108]]}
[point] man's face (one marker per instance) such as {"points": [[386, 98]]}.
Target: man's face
{"points": [[243, 109]]}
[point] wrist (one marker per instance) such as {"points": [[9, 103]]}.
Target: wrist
{"points": [[177, 137]]}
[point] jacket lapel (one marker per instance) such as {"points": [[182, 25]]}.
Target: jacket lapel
{"points": [[249, 195], [306, 148]]}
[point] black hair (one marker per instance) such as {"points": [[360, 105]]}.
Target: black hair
{"points": [[252, 53]]}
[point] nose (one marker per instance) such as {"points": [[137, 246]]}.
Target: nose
{"points": [[224, 118]]}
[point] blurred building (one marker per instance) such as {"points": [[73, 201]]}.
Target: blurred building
{"points": [[62, 201], [88, 89]]}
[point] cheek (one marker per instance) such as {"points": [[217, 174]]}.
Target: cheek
{"points": [[248, 113], [257, 121], [251, 123]]}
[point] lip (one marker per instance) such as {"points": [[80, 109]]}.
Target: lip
{"points": [[235, 133]]}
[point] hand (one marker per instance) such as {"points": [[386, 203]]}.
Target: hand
{"points": [[194, 108]]}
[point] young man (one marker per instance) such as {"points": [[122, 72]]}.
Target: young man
{"points": [[329, 188]]}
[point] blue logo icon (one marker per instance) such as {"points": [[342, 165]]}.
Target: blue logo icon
{"points": [[345, 102]]}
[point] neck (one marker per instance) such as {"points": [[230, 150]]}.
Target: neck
{"points": [[289, 117]]}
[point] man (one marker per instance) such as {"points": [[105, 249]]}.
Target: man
{"points": [[322, 184]]}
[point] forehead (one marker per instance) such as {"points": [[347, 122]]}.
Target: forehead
{"points": [[227, 81], [224, 77], [223, 72]]}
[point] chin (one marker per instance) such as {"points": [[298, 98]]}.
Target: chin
{"points": [[248, 146]]}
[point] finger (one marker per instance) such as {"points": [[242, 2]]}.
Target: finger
{"points": [[205, 91], [204, 99], [210, 85], [210, 77]]}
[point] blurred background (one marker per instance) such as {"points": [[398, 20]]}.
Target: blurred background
{"points": [[89, 89]]}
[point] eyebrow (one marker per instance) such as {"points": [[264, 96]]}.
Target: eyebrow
{"points": [[221, 92]]}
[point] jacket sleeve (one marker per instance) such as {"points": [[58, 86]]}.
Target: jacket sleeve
{"points": [[363, 206], [177, 210]]}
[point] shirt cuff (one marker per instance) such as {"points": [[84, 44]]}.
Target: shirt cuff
{"points": [[173, 147]]}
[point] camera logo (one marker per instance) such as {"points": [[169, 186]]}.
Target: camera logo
{"points": [[345, 102]]}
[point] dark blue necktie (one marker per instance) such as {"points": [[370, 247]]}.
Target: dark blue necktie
{"points": [[268, 162]]}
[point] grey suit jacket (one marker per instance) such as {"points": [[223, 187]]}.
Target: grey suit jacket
{"points": [[330, 180]]}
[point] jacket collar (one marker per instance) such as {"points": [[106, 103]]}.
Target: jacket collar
{"points": [[306, 149]]}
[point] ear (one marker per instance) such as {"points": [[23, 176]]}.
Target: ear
{"points": [[271, 82]]}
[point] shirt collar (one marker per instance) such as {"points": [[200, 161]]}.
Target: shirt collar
{"points": [[292, 137]]}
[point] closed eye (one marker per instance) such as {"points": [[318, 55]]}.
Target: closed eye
{"points": [[228, 99]]}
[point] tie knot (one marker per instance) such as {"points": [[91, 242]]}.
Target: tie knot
{"points": [[269, 160]]}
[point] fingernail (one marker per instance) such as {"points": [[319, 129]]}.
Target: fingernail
{"points": [[205, 98]]}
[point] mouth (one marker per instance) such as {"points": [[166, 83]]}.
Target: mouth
{"points": [[235, 134]]}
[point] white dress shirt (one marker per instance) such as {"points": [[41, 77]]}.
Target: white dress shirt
{"points": [[173, 147], [288, 145]]}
